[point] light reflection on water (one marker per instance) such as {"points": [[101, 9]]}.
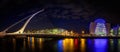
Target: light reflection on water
{"points": [[40, 43], [82, 45], [60, 45], [68, 45], [100, 45], [118, 45]]}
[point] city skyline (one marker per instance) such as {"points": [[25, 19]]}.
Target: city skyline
{"points": [[59, 26], [36, 23]]}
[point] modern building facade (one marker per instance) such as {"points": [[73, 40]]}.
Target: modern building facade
{"points": [[99, 27], [115, 31]]}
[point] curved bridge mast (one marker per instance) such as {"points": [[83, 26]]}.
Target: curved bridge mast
{"points": [[26, 23]]}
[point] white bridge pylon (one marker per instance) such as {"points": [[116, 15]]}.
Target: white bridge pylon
{"points": [[26, 23], [21, 30]]}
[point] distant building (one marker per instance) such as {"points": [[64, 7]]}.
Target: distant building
{"points": [[115, 30], [99, 27]]}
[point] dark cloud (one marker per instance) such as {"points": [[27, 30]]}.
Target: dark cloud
{"points": [[75, 9]]}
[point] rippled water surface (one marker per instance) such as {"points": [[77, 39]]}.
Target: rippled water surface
{"points": [[32, 44]]}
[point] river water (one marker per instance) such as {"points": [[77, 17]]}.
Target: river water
{"points": [[32, 44]]}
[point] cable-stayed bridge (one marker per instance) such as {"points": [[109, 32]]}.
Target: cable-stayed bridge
{"points": [[44, 23]]}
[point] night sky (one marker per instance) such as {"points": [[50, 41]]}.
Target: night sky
{"points": [[13, 10]]}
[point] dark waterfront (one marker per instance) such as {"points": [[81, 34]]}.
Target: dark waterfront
{"points": [[32, 44]]}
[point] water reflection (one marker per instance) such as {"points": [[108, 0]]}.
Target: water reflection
{"points": [[14, 46], [76, 45], [100, 45], [82, 48], [60, 45], [118, 45], [40, 40], [111, 46], [24, 46], [68, 45], [31, 43]]}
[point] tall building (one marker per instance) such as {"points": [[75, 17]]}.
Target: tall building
{"points": [[99, 27]]}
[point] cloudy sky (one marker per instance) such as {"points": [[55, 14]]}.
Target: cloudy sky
{"points": [[10, 10]]}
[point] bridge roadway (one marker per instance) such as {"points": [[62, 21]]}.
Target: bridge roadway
{"points": [[25, 35]]}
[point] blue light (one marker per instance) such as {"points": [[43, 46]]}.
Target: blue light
{"points": [[60, 46], [100, 28], [100, 45], [90, 44], [100, 21]]}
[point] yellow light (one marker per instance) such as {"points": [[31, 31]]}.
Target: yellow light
{"points": [[71, 33], [68, 45], [82, 45], [40, 42], [111, 32], [83, 32], [29, 41], [33, 44]]}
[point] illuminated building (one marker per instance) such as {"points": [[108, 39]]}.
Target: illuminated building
{"points": [[99, 27], [115, 30], [111, 32]]}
